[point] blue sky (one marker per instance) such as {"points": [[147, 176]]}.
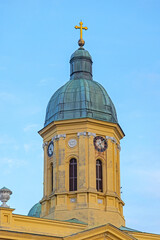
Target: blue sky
{"points": [[37, 39]]}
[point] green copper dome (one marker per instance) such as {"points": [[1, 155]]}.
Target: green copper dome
{"points": [[80, 97], [35, 211]]}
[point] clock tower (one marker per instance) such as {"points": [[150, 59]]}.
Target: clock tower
{"points": [[81, 142]]}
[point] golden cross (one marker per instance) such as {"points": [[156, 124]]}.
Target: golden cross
{"points": [[81, 28]]}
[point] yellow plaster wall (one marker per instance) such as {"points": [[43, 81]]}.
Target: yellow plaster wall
{"points": [[144, 236], [85, 204], [18, 227], [24, 224]]}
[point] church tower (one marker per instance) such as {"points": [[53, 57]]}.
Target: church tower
{"points": [[81, 141]]}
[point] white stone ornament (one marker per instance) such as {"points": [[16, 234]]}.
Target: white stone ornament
{"points": [[72, 142], [112, 139], [100, 201], [119, 147], [81, 134], [91, 134], [72, 200], [44, 144], [57, 137], [5, 196]]}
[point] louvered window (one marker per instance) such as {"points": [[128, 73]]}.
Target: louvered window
{"points": [[73, 175], [99, 182]]}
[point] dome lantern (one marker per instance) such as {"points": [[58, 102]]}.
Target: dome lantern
{"points": [[81, 61], [81, 65]]}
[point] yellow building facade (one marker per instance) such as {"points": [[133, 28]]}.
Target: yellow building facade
{"points": [[81, 189], [86, 203], [18, 227]]}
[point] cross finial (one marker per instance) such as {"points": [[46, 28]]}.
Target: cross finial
{"points": [[81, 42]]}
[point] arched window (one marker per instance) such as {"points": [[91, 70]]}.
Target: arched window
{"points": [[73, 175], [99, 180]]}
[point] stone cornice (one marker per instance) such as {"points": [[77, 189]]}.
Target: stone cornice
{"points": [[76, 122]]}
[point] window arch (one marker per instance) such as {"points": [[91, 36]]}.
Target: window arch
{"points": [[73, 175], [99, 179]]}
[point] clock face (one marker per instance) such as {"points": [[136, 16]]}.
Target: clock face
{"points": [[100, 144], [50, 149]]}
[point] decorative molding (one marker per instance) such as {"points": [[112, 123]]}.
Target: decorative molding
{"points": [[72, 142], [91, 134], [57, 137], [62, 136], [100, 201], [72, 200], [119, 147], [44, 144], [105, 236], [112, 139], [81, 134], [5, 196], [107, 137]]}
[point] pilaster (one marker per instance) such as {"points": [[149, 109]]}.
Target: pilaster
{"points": [[118, 171], [110, 182], [83, 160], [91, 163], [61, 163], [6, 217], [45, 144]]}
